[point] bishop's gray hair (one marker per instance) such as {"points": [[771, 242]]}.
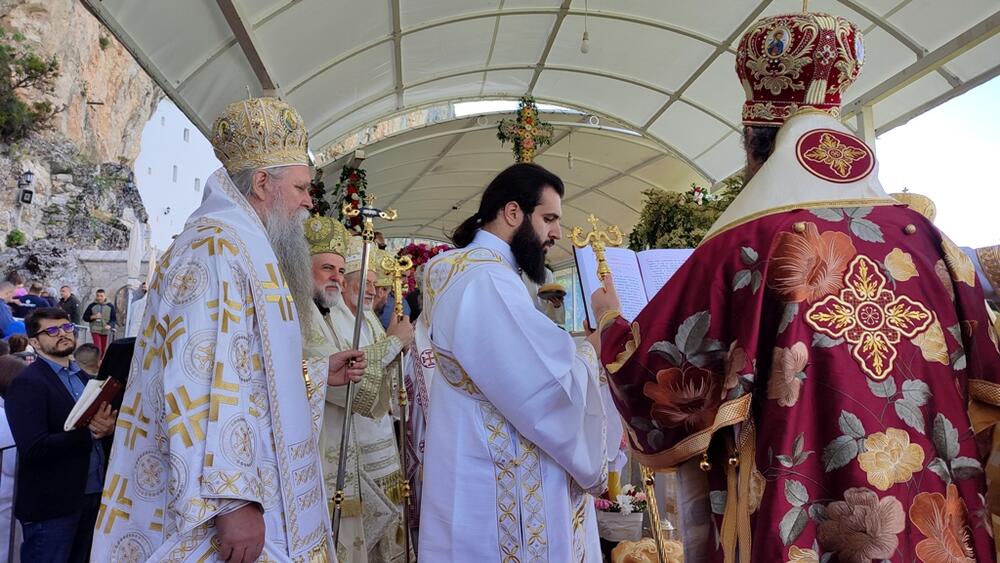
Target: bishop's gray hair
{"points": [[244, 179]]}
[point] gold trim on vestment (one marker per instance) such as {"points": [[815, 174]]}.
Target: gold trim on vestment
{"points": [[989, 260], [984, 404], [861, 202], [730, 412]]}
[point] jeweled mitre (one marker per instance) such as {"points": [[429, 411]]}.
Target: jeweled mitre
{"points": [[259, 133], [795, 61], [326, 235]]}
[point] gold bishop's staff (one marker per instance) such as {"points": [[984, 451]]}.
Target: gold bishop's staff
{"points": [[599, 239], [397, 268], [368, 213]]}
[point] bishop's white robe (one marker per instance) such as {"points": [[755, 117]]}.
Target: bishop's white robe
{"points": [[516, 425], [371, 519], [216, 413]]}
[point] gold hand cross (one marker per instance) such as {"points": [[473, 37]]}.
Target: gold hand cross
{"points": [[598, 239]]}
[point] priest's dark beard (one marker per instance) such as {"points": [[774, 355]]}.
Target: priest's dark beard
{"points": [[529, 251], [289, 244]]}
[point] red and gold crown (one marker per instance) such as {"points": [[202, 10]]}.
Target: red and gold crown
{"points": [[796, 61]]}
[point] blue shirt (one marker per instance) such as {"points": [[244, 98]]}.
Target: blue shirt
{"points": [[390, 308], [69, 376], [6, 317]]}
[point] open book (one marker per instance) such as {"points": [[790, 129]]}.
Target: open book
{"points": [[638, 276], [95, 393]]}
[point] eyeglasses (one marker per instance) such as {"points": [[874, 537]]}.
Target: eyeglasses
{"points": [[54, 331]]}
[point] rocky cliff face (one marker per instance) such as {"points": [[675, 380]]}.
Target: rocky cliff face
{"points": [[107, 97], [81, 164]]}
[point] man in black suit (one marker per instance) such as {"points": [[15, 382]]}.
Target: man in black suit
{"points": [[60, 474]]}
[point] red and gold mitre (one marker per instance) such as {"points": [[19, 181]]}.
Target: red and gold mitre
{"points": [[259, 133], [796, 61]]}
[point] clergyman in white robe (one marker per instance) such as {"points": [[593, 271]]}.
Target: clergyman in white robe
{"points": [[516, 430], [218, 411]]}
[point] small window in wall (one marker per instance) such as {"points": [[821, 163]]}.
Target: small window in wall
{"points": [[149, 170], [187, 135], [197, 184], [175, 173], [163, 120]]}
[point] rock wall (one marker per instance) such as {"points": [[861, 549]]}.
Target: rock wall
{"points": [[108, 98], [82, 163]]}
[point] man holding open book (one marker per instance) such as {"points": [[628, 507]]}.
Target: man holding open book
{"points": [[60, 472], [824, 357]]}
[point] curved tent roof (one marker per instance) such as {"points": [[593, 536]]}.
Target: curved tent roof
{"points": [[663, 70]]}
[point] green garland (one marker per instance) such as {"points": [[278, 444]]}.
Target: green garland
{"points": [[680, 219]]}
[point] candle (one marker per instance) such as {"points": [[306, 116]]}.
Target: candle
{"points": [[614, 485]]}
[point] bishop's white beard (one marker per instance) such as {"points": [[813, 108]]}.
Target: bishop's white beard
{"points": [[330, 299], [289, 244]]}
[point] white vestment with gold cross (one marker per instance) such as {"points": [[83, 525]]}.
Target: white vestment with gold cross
{"points": [[372, 518], [516, 427], [217, 413]]}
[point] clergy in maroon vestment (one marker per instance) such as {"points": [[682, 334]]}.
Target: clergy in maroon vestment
{"points": [[824, 359]]}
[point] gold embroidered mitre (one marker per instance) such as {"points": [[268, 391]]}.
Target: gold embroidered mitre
{"points": [[919, 203], [326, 235], [353, 258], [384, 278], [259, 133]]}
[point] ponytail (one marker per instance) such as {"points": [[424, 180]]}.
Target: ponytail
{"points": [[464, 233]]}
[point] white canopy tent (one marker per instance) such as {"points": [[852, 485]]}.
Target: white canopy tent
{"points": [[658, 81]]}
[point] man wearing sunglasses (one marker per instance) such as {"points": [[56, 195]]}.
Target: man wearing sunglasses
{"points": [[60, 474]]}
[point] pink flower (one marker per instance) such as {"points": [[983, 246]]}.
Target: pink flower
{"points": [[640, 496], [602, 504]]}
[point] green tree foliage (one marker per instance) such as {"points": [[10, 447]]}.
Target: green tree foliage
{"points": [[22, 70], [677, 219], [16, 238]]}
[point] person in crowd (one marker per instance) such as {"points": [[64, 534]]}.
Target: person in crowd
{"points": [[88, 357], [4, 348], [34, 299], [102, 317], [18, 280], [60, 474], [69, 302], [6, 315], [10, 366], [18, 343], [49, 295]]}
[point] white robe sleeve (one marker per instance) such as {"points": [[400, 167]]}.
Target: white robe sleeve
{"points": [[530, 369]]}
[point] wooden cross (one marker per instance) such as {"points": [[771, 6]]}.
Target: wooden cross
{"points": [[598, 239]]}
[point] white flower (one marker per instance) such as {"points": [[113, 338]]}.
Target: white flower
{"points": [[628, 489], [625, 502]]}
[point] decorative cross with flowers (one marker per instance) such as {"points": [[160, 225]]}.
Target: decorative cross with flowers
{"points": [[527, 132], [351, 191]]}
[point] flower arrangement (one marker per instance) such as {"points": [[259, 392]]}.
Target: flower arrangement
{"points": [[352, 189], [630, 500], [680, 219], [317, 190], [420, 253], [527, 132]]}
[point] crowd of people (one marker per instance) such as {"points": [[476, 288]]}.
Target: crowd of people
{"points": [[59, 473]]}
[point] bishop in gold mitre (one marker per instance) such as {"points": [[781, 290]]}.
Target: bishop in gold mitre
{"points": [[215, 456]]}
